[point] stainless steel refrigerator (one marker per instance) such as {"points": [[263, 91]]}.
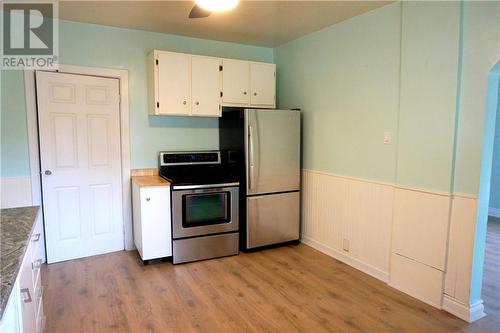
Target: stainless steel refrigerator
{"points": [[269, 142]]}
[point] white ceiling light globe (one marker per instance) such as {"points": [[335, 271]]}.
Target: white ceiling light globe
{"points": [[217, 5]]}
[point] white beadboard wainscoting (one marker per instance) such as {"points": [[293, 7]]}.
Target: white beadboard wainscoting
{"points": [[406, 237], [419, 243], [15, 192], [348, 219]]}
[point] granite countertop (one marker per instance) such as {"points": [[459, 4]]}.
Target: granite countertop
{"points": [[150, 181], [16, 226]]}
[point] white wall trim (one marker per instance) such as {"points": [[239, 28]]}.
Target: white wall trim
{"points": [[348, 177], [347, 259], [33, 139], [495, 212], [469, 313], [449, 194]]}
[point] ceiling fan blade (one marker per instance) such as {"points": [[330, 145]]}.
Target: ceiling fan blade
{"points": [[198, 12]]}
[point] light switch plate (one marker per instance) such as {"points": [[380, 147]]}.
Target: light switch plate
{"points": [[387, 138]]}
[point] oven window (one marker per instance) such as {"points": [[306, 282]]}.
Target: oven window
{"points": [[205, 209]]}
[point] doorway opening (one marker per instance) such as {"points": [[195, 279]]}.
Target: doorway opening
{"points": [[485, 282]]}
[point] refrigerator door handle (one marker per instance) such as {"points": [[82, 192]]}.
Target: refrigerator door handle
{"points": [[250, 158]]}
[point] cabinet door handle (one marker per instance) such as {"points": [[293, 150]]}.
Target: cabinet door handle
{"points": [[244, 93], [197, 103], [148, 199], [36, 237], [255, 94], [28, 298], [184, 102], [37, 264]]}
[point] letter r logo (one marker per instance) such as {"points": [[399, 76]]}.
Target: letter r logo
{"points": [[28, 28]]}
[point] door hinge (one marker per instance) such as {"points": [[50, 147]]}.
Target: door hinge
{"points": [[220, 68], [221, 94], [157, 61], [157, 104]]}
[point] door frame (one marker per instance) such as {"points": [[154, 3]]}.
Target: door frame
{"points": [[33, 138]]}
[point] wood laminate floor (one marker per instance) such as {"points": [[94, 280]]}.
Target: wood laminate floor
{"points": [[288, 289], [491, 277]]}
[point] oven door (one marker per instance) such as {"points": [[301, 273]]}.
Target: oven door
{"points": [[201, 210]]}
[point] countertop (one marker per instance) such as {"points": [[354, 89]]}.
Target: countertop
{"points": [[16, 226], [150, 181]]}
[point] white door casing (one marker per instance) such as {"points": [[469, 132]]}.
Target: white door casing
{"points": [[79, 128]]}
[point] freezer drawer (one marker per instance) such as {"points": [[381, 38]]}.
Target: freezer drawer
{"points": [[272, 219]]}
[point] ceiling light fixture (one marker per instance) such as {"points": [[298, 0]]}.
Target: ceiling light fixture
{"points": [[217, 5]]}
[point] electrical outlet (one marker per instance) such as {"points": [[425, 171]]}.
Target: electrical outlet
{"points": [[345, 245], [387, 138]]}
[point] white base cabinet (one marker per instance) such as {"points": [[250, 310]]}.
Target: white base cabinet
{"points": [[24, 310], [152, 221]]}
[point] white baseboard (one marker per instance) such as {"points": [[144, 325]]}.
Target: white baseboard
{"points": [[469, 313], [347, 259], [495, 212]]}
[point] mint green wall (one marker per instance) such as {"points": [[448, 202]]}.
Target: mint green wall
{"points": [[401, 69], [481, 51], [429, 65], [346, 80], [93, 45], [13, 136]]}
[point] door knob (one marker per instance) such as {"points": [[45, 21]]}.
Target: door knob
{"points": [[48, 172]]}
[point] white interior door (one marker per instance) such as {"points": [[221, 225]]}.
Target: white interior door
{"points": [[205, 86], [235, 82], [263, 84], [79, 128]]}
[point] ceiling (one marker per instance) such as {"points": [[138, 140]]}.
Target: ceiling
{"points": [[264, 23]]}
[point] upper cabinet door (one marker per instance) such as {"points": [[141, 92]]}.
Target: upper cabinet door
{"points": [[205, 86], [174, 83], [235, 82], [263, 84]]}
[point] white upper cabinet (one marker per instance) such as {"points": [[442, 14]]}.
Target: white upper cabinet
{"points": [[235, 82], [190, 85], [262, 84], [174, 86], [205, 86]]}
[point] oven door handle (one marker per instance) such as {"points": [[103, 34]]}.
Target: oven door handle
{"points": [[195, 187]]}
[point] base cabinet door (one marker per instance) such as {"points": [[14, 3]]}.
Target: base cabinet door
{"points": [[12, 319], [152, 226], [27, 294]]}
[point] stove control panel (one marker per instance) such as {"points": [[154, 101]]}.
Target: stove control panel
{"points": [[190, 158]]}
